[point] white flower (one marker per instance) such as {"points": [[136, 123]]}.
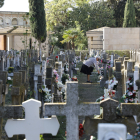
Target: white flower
{"points": [[127, 82], [130, 93], [130, 83], [101, 98], [9, 78], [131, 100], [126, 101]]}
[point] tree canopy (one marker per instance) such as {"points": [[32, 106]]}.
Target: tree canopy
{"points": [[129, 15], [1, 3], [37, 19]]}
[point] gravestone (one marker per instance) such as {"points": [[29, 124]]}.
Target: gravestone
{"points": [[109, 116], [104, 79], [72, 110], [18, 89], [32, 126], [37, 72], [111, 131], [120, 79], [48, 80]]}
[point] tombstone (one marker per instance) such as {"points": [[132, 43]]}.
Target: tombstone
{"points": [[138, 85], [131, 109], [111, 131], [43, 72], [18, 89], [104, 79], [136, 77], [32, 126], [48, 80], [109, 116], [9, 112], [120, 79], [130, 66], [37, 72], [72, 110], [1, 64]]}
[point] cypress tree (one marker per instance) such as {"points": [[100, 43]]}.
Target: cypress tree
{"points": [[129, 14], [38, 21], [1, 3]]}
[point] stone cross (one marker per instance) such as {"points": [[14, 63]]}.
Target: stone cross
{"points": [[32, 126], [72, 110]]}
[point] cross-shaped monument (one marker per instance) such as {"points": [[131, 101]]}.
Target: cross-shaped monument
{"points": [[72, 110], [32, 126]]}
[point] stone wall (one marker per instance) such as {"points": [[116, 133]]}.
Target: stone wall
{"points": [[18, 45], [121, 38], [1, 42], [12, 19]]}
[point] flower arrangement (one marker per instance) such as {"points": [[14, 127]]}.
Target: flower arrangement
{"points": [[64, 78], [46, 94], [55, 74], [108, 65], [10, 69], [81, 130], [130, 95], [56, 58], [137, 134], [74, 78], [9, 81]]}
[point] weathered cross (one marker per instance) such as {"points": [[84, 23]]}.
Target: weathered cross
{"points": [[32, 126], [72, 110]]}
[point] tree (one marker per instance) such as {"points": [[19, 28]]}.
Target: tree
{"points": [[57, 12], [38, 21], [1, 3], [75, 36], [129, 14], [92, 16]]}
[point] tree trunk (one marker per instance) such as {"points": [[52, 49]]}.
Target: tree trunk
{"points": [[40, 52]]}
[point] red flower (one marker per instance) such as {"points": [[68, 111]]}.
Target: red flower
{"points": [[56, 56], [102, 99], [130, 79], [113, 92], [103, 96], [81, 130]]}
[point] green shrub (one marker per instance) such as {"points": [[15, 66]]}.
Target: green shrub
{"points": [[120, 53]]}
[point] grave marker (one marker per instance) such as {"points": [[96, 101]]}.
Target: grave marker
{"points": [[72, 110], [32, 126]]}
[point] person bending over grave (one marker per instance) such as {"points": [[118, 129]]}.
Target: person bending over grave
{"points": [[88, 67]]}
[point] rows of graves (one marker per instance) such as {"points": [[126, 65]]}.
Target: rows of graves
{"points": [[45, 81]]}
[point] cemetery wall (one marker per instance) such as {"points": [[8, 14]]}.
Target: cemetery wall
{"points": [[121, 38], [18, 45]]}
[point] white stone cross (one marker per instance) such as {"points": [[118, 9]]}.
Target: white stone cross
{"points": [[72, 110], [32, 126]]}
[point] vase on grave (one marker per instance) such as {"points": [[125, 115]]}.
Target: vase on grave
{"points": [[106, 93]]}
